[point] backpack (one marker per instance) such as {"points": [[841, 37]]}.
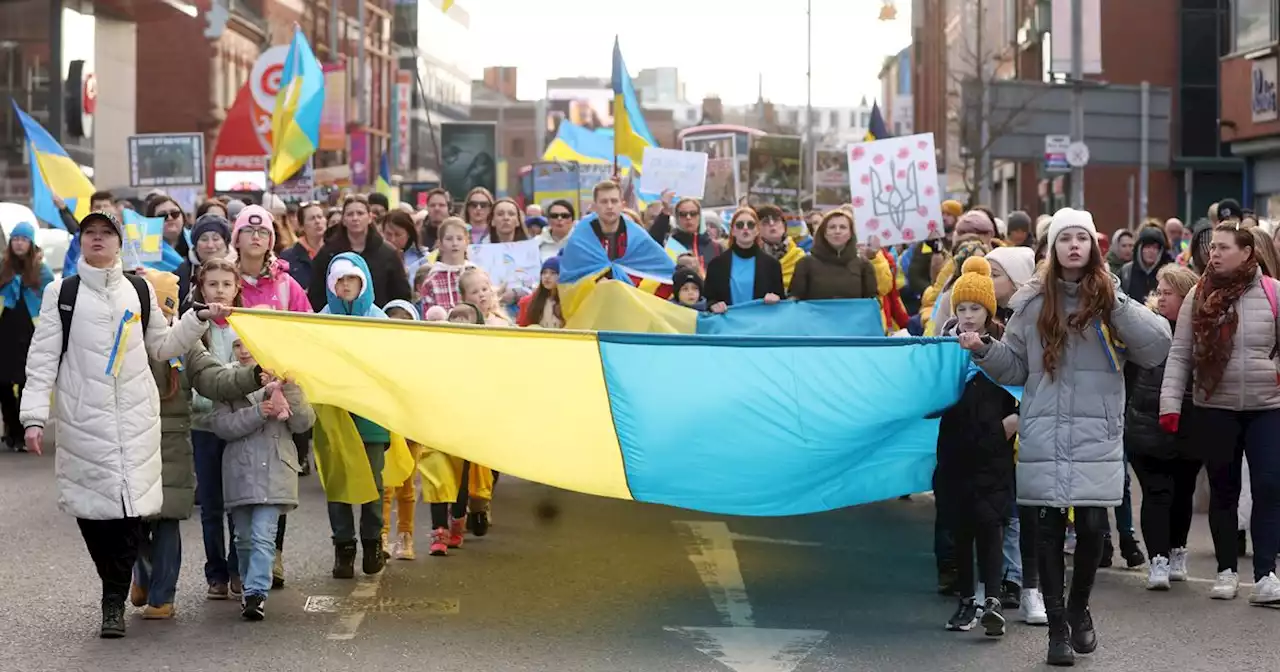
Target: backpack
{"points": [[67, 304]]}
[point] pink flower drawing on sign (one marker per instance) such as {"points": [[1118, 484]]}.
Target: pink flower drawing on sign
{"points": [[922, 211], [922, 144], [878, 160], [908, 235], [933, 225], [858, 153], [888, 188], [859, 201], [865, 179], [904, 153], [929, 191], [923, 165], [873, 224], [902, 174]]}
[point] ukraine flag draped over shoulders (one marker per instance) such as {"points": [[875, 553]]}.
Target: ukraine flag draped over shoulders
{"points": [[584, 261]]}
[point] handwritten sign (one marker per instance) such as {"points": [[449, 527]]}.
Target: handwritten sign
{"points": [[509, 265], [893, 184], [684, 173]]}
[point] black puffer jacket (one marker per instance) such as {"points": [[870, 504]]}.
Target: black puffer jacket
{"points": [[974, 482], [1142, 432]]}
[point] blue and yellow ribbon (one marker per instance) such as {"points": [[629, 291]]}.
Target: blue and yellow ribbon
{"points": [[116, 361]]}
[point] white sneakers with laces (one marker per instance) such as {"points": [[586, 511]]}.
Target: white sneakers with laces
{"points": [[1178, 564], [1227, 585], [1158, 573], [1032, 609], [1266, 592]]}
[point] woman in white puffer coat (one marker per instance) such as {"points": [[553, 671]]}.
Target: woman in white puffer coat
{"points": [[107, 464]]}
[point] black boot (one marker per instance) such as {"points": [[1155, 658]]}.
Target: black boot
{"points": [[1129, 550], [1107, 551], [372, 560], [112, 618], [344, 560], [1060, 653]]}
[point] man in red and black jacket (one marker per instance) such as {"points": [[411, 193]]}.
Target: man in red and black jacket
{"points": [[608, 225]]}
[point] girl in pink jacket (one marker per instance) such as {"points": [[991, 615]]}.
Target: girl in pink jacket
{"points": [[267, 283]]}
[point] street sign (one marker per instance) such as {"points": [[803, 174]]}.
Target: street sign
{"points": [[1055, 153], [1078, 155]]}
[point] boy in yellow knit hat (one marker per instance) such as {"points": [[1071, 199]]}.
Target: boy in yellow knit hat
{"points": [[974, 482]]}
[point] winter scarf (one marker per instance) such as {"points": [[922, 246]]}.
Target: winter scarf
{"points": [[1215, 319]]}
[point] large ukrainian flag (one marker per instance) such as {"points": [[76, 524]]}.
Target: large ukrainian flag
{"points": [[772, 426], [295, 122], [53, 171]]}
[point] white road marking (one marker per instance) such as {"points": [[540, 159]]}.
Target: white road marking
{"points": [[754, 649], [711, 552], [770, 540], [348, 624], [741, 647], [1140, 573]]}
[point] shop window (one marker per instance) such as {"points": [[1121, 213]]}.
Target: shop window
{"points": [[1254, 23]]}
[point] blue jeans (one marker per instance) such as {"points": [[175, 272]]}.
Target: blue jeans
{"points": [[1012, 548], [159, 560], [341, 518], [256, 545], [1124, 512], [219, 557]]}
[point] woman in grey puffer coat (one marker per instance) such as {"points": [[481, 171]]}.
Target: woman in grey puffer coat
{"points": [[1072, 415], [260, 479]]}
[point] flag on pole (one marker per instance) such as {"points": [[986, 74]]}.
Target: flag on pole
{"points": [[53, 172], [630, 132], [295, 123], [876, 128], [445, 5], [383, 184]]}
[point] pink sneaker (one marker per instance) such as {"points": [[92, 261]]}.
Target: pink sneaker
{"points": [[440, 542], [457, 527]]}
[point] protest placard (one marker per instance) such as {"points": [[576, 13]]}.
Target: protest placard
{"points": [[774, 172], [684, 173], [894, 195], [831, 178], [510, 265]]}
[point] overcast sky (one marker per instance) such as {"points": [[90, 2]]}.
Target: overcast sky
{"points": [[719, 46]]}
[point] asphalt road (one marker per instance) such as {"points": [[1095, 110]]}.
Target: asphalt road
{"points": [[604, 585]]}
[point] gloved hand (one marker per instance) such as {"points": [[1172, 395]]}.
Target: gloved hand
{"points": [[1169, 422]]}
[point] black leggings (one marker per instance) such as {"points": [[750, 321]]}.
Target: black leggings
{"points": [[113, 545], [1027, 531], [1090, 523], [990, 540], [9, 405], [1167, 490]]}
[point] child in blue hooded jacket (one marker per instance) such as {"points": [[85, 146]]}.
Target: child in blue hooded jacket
{"points": [[349, 292]]}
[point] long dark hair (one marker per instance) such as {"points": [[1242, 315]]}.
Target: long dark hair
{"points": [[402, 220], [24, 266], [538, 302], [1097, 299], [521, 233]]}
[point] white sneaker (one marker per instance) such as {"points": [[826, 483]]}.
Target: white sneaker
{"points": [[1032, 610], [1266, 592], [1226, 587], [1158, 573], [1178, 564]]}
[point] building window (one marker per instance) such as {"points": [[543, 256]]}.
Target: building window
{"points": [[864, 119], [835, 119], [1254, 22]]}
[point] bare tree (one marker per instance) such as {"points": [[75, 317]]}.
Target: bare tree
{"points": [[978, 61]]}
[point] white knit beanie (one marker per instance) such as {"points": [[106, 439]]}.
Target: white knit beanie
{"points": [[1069, 218], [1018, 263]]}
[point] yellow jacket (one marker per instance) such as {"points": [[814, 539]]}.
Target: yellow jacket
{"points": [[789, 260], [930, 297]]}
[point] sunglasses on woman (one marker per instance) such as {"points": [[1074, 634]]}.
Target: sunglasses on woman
{"points": [[559, 215], [479, 204], [688, 214], [170, 214], [745, 225]]}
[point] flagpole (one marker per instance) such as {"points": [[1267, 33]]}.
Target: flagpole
{"points": [[810, 148]]}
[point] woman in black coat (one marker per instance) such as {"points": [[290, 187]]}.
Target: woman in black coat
{"points": [[356, 234], [744, 273], [1166, 463]]}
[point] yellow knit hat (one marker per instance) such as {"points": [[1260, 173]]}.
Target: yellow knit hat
{"points": [[952, 208], [975, 285]]}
